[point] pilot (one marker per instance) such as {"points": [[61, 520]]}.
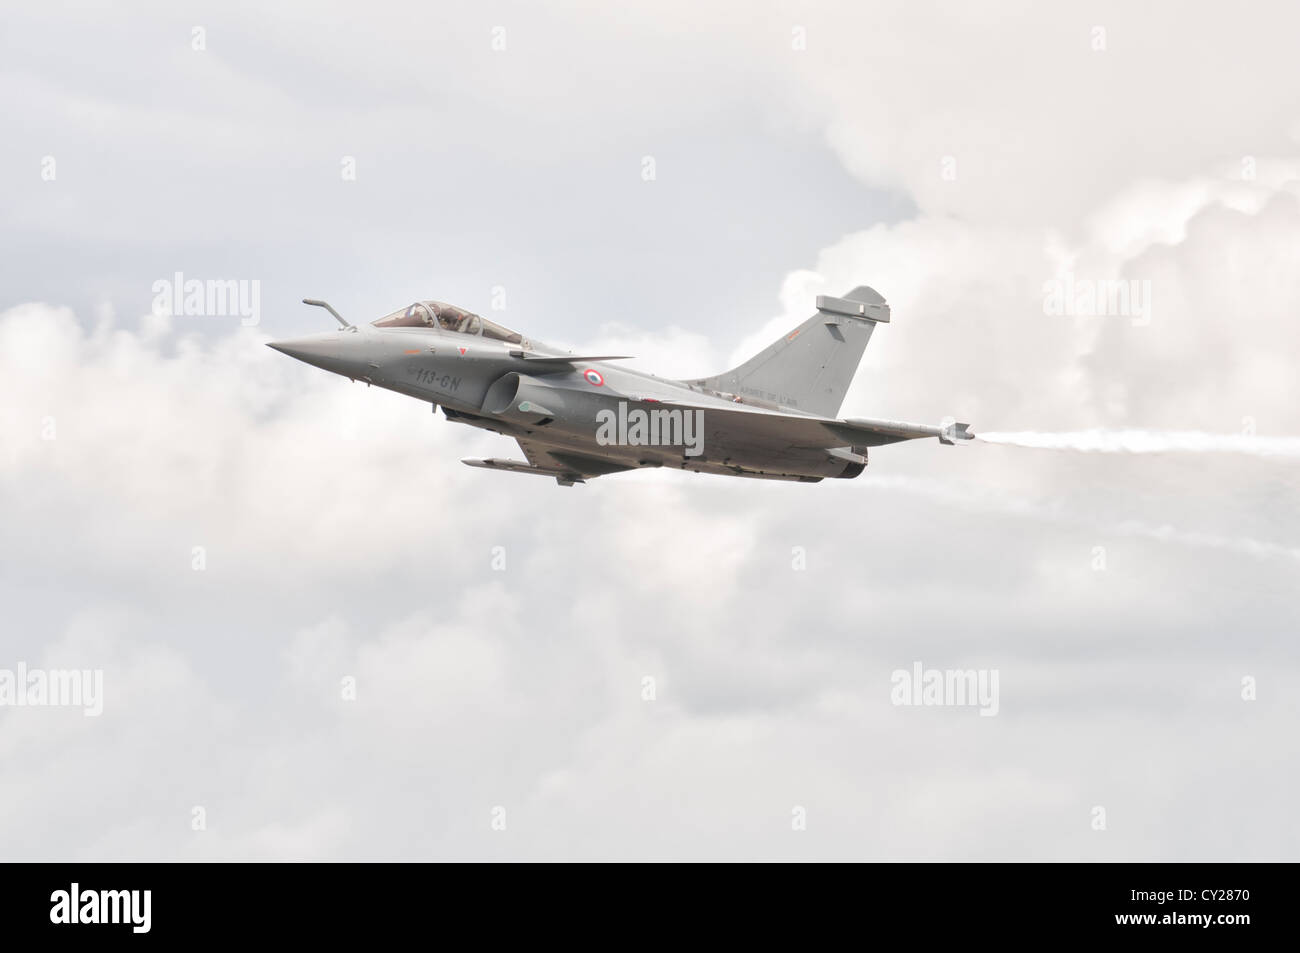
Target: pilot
{"points": [[451, 319]]}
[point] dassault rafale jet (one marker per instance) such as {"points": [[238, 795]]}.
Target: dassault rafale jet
{"points": [[581, 416]]}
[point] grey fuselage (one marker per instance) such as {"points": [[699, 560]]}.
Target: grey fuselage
{"points": [[459, 371]]}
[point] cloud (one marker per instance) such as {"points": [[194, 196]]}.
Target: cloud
{"points": [[1045, 114], [234, 538]]}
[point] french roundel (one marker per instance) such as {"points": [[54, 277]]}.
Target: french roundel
{"points": [[593, 377]]}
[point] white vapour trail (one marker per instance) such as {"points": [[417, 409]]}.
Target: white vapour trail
{"points": [[1148, 441]]}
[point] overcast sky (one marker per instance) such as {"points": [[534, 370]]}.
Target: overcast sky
{"points": [[677, 183]]}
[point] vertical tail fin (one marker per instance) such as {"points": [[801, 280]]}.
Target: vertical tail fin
{"points": [[810, 369]]}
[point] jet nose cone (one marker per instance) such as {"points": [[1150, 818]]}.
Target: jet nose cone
{"points": [[304, 349], [320, 350]]}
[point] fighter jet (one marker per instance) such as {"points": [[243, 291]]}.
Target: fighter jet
{"points": [[579, 416]]}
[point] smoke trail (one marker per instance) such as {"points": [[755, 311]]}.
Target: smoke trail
{"points": [[1148, 441]]}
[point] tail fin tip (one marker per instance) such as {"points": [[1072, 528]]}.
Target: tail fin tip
{"points": [[862, 302]]}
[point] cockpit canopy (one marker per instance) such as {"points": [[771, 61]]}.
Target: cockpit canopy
{"points": [[447, 317]]}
